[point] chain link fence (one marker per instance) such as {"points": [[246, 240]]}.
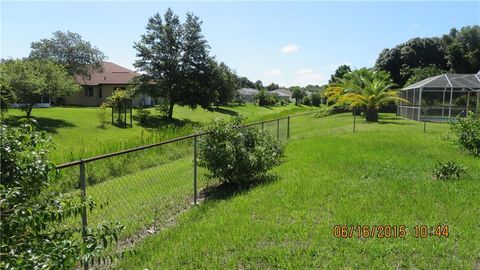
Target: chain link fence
{"points": [[145, 188]]}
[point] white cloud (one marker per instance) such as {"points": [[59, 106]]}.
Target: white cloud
{"points": [[306, 76], [273, 72], [289, 48]]}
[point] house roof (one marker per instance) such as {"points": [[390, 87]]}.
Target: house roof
{"points": [[248, 91], [463, 81], [112, 74], [282, 92]]}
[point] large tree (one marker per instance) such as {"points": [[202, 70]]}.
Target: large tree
{"points": [[457, 52], [415, 53], [258, 85], [68, 49], [339, 73], [244, 82], [175, 58], [272, 86], [298, 94], [29, 80], [224, 83], [463, 49]]}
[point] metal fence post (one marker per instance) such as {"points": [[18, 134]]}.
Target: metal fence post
{"points": [[425, 120], [263, 125], [83, 188], [278, 129], [195, 170], [288, 127]]}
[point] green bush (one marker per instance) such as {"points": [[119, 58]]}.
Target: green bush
{"points": [[102, 115], [445, 171], [316, 99], [467, 131], [33, 234], [238, 155], [307, 101]]}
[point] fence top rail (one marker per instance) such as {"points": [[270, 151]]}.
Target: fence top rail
{"points": [[90, 159]]}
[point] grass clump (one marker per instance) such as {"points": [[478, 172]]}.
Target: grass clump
{"points": [[448, 170]]}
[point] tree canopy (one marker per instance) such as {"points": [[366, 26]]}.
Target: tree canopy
{"points": [[298, 94], [175, 62], [29, 80], [225, 83], [339, 73], [418, 74], [458, 52], [272, 86], [69, 50]]}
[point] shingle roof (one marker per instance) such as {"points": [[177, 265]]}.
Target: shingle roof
{"points": [[282, 92], [468, 81], [112, 74], [248, 91]]}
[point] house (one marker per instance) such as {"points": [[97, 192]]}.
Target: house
{"points": [[441, 97], [247, 94], [283, 94], [101, 85]]}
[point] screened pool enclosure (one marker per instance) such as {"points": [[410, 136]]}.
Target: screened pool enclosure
{"points": [[441, 98]]}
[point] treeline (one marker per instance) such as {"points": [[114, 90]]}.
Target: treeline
{"points": [[420, 58]]}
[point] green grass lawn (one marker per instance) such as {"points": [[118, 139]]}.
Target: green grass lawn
{"points": [[382, 174], [76, 132]]}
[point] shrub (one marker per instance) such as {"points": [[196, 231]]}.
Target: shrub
{"points": [[102, 115], [142, 115], [467, 131], [34, 235], [307, 101], [316, 99], [236, 154], [445, 171]]}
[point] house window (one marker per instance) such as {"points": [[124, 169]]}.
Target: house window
{"points": [[89, 91], [100, 94]]}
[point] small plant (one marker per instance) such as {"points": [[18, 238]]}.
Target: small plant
{"points": [[467, 131], [34, 235], [447, 170], [236, 154], [142, 115], [102, 115]]}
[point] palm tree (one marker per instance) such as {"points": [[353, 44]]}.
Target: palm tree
{"points": [[367, 89]]}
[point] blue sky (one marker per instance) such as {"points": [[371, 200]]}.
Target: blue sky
{"points": [[290, 43]]}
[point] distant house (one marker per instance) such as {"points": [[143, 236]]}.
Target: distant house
{"points": [[247, 94], [101, 85], [308, 94], [283, 94]]}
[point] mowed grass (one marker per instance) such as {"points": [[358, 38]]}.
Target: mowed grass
{"points": [[77, 133], [380, 175]]}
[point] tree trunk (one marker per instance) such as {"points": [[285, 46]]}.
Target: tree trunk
{"points": [[170, 108], [371, 115], [28, 109]]}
